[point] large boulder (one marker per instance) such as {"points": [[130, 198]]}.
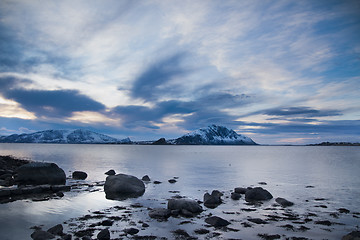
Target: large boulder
{"points": [[38, 173], [185, 204], [257, 194], [122, 186]]}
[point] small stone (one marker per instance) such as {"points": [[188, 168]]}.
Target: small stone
{"points": [[159, 213], [257, 221], [326, 223], [262, 183], [240, 190], [103, 235], [217, 221], [60, 194], [235, 196], [157, 182], [201, 231], [181, 232], [213, 200], [257, 194], [131, 231], [110, 172], [106, 223], [145, 178], [283, 202], [172, 181], [56, 230], [80, 175], [41, 235], [354, 235], [343, 210], [269, 237], [145, 225]]}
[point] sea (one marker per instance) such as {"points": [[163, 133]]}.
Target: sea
{"points": [[318, 179]]}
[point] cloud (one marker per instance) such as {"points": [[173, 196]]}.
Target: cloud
{"points": [[150, 84], [57, 103], [301, 112]]}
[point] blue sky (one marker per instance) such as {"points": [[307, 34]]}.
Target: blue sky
{"points": [[279, 72]]}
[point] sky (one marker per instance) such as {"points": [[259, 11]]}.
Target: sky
{"points": [[280, 72]]}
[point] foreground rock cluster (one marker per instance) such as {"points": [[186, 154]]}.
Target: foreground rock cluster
{"points": [[39, 181], [183, 217]]}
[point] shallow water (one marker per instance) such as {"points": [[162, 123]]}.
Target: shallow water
{"points": [[287, 170]]}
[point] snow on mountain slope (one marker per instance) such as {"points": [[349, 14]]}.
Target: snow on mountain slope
{"points": [[214, 135], [62, 136]]}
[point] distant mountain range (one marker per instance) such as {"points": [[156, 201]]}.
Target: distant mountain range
{"points": [[62, 136], [212, 135]]}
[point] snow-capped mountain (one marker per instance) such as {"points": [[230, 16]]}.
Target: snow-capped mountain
{"points": [[213, 135], [62, 136]]}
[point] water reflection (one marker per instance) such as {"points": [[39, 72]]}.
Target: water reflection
{"points": [[286, 170]]}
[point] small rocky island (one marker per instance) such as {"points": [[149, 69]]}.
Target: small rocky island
{"points": [[193, 218]]}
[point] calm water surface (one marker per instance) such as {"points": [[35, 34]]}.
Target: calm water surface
{"points": [[333, 171]]}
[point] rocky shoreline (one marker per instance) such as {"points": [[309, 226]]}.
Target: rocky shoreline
{"points": [[178, 217]]}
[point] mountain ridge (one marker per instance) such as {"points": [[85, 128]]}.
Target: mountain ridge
{"points": [[211, 135], [77, 136]]}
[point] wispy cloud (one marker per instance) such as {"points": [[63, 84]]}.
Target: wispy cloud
{"points": [[181, 65]]}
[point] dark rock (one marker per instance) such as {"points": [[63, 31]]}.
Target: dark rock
{"points": [[41, 235], [182, 233], [269, 237], [257, 221], [122, 186], [172, 181], [248, 209], [110, 172], [66, 237], [343, 210], [235, 196], [354, 235], [131, 231], [201, 231], [103, 235], [157, 182], [106, 223], [326, 223], [146, 178], [145, 225], [213, 200], [240, 190], [283, 202], [160, 213], [37, 173], [57, 188], [56, 230], [79, 175], [5, 193], [188, 204], [187, 213], [257, 194], [217, 221], [85, 232], [60, 194], [262, 183]]}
